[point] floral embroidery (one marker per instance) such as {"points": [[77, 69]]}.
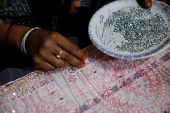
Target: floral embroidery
{"points": [[166, 69], [96, 110], [103, 85], [134, 87], [71, 78], [65, 107], [80, 90]]}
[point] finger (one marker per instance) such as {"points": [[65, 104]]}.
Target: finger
{"points": [[36, 68], [54, 61], [46, 66], [48, 56], [71, 48], [71, 59], [147, 3]]}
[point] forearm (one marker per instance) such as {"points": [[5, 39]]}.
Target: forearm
{"points": [[15, 36]]}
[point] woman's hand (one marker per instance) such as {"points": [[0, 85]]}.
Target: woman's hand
{"points": [[148, 3], [43, 46]]}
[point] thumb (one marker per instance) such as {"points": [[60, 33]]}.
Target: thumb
{"points": [[147, 3]]}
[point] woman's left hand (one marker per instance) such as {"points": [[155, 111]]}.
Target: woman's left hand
{"points": [[148, 3]]}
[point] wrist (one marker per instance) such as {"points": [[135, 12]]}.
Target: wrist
{"points": [[24, 40], [16, 34]]}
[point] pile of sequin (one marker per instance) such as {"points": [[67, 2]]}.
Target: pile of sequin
{"points": [[140, 27]]}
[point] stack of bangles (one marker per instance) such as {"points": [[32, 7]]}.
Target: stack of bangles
{"points": [[22, 45]]}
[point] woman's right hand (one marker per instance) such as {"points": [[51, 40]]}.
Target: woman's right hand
{"points": [[43, 46]]}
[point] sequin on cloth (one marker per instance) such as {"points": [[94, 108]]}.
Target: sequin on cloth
{"points": [[104, 85]]}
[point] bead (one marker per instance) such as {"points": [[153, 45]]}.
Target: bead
{"points": [[134, 28], [120, 76], [13, 111], [14, 94]]}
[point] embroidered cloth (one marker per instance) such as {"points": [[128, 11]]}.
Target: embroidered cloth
{"points": [[104, 85]]}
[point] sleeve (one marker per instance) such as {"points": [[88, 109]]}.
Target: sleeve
{"points": [[14, 11]]}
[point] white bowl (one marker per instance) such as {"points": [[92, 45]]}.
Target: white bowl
{"points": [[106, 40]]}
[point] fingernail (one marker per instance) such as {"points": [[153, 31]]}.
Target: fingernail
{"points": [[84, 56], [83, 64], [148, 4]]}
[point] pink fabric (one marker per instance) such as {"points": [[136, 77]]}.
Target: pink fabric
{"points": [[104, 85]]}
